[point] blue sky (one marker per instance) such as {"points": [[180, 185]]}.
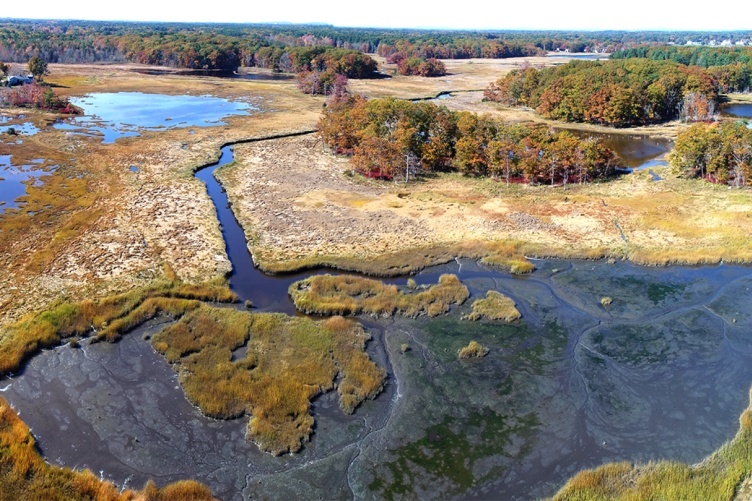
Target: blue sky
{"points": [[464, 14]]}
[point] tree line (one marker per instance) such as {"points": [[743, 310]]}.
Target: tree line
{"points": [[718, 152], [398, 140], [688, 55], [227, 46], [619, 92]]}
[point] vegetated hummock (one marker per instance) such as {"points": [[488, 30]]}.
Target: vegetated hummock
{"points": [[107, 319], [472, 350], [717, 477], [351, 295], [24, 474], [718, 152], [392, 139], [495, 306], [618, 92], [288, 361]]}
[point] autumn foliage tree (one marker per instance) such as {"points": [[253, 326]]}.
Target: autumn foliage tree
{"points": [[618, 93], [394, 139], [423, 67], [37, 67], [719, 152]]}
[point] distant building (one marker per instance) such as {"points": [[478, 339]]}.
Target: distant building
{"points": [[20, 80]]}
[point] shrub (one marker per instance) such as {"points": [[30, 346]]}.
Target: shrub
{"points": [[472, 350]]}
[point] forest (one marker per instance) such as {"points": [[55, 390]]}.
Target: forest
{"points": [[227, 46], [398, 140], [618, 93], [718, 152]]}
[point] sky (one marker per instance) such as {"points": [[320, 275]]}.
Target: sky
{"points": [[462, 14]]}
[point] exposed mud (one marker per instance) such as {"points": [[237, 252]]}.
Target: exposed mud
{"points": [[661, 373]]}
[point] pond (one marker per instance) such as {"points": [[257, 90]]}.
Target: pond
{"points": [[738, 110], [574, 55], [124, 114], [23, 129], [637, 152], [14, 179]]}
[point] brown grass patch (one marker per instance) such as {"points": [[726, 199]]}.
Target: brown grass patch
{"points": [[350, 295], [288, 361], [495, 306]]}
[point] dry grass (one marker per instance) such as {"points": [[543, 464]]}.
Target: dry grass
{"points": [[717, 477], [25, 475], [350, 295], [296, 205], [108, 318], [288, 361], [472, 350], [495, 306]]}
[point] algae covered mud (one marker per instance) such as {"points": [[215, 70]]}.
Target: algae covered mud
{"points": [[661, 372]]}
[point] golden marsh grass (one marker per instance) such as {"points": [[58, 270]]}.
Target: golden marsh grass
{"points": [[495, 306], [350, 295], [288, 361]]}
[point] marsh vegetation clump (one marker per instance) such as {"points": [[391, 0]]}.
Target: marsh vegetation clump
{"points": [[495, 306], [472, 350], [350, 295], [106, 319], [24, 474], [288, 361], [717, 477]]}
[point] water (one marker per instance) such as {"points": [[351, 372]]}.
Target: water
{"points": [[14, 179], [219, 74], [741, 110], [636, 152], [267, 292], [24, 129], [125, 114], [567, 55]]}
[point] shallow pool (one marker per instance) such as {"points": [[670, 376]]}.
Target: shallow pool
{"points": [[113, 115]]}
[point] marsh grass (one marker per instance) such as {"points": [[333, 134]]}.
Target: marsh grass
{"points": [[495, 306], [472, 350], [24, 474], [508, 255], [718, 477], [350, 295], [107, 319], [289, 360]]}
